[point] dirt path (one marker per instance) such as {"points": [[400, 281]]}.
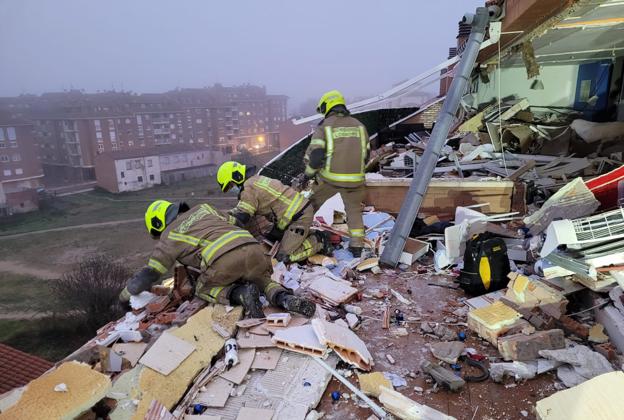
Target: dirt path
{"points": [[17, 268], [25, 315], [60, 229]]}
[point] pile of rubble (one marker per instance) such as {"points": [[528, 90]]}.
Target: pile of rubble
{"points": [[554, 304]]}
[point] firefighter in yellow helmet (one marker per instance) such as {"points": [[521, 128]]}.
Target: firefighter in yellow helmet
{"points": [[228, 265], [290, 212], [337, 156]]}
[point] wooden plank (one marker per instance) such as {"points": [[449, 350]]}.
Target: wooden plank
{"points": [[442, 197]]}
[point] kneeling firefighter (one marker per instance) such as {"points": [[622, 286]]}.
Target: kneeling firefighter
{"points": [[230, 265], [290, 212]]}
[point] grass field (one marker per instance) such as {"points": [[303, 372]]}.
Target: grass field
{"points": [[29, 263], [99, 206]]}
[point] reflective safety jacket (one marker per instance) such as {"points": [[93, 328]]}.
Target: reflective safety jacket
{"points": [[196, 238], [344, 141], [270, 198]]}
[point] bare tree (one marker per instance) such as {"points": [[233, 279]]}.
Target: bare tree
{"points": [[91, 290]]}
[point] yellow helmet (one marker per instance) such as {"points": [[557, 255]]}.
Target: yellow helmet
{"points": [[156, 217], [330, 100], [230, 172]]}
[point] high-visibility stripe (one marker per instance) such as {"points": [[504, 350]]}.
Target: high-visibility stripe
{"points": [[363, 145], [356, 233], [188, 239], [223, 240], [309, 171], [307, 252], [231, 220], [317, 142], [212, 211], [290, 212], [264, 184], [212, 294], [329, 148], [272, 285], [246, 207], [329, 151], [342, 177], [157, 265]]}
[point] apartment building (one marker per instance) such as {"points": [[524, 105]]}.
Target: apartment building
{"points": [[72, 128], [20, 168], [133, 170]]}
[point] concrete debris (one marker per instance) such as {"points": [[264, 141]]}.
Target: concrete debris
{"points": [[572, 201], [344, 342], [141, 300], [442, 376], [447, 351], [397, 380], [521, 347], [518, 370], [352, 320], [579, 363]]}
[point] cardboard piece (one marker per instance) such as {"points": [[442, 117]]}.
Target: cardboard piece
{"points": [[332, 291], [216, 394], [237, 373], [344, 342], [301, 340], [598, 398], [167, 353], [266, 358]]}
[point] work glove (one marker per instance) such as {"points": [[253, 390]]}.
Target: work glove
{"points": [[282, 257], [124, 296], [142, 280]]}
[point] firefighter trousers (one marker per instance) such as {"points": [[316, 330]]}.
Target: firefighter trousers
{"points": [[246, 263], [298, 241], [352, 198]]}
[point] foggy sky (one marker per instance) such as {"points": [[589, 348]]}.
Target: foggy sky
{"points": [[293, 47]]}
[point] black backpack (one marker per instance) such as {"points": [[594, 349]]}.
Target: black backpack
{"points": [[486, 265]]}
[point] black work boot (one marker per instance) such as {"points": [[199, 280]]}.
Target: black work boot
{"points": [[296, 304], [248, 295], [356, 251]]}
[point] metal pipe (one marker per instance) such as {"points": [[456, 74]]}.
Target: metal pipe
{"points": [[418, 187]]}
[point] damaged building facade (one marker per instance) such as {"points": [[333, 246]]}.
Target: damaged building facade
{"points": [[506, 301]]}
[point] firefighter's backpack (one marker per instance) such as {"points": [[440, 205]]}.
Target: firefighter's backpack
{"points": [[486, 265]]}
